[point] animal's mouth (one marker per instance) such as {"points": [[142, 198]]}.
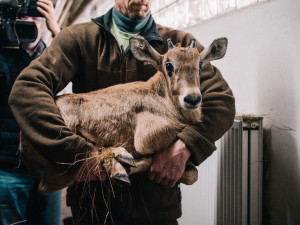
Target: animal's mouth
{"points": [[190, 106]]}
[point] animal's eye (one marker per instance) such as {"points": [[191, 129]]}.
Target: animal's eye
{"points": [[169, 68], [200, 65]]}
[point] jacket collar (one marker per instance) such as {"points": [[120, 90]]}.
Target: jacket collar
{"points": [[150, 32]]}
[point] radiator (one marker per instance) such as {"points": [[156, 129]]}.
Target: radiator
{"points": [[229, 188]]}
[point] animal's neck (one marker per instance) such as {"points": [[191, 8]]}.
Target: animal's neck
{"points": [[160, 85]]}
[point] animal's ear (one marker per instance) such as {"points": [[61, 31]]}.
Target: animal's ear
{"points": [[215, 50], [143, 51]]}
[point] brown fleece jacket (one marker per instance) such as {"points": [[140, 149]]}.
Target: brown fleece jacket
{"points": [[89, 56]]}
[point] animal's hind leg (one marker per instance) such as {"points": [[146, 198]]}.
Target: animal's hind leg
{"points": [[116, 162], [116, 170], [121, 155]]}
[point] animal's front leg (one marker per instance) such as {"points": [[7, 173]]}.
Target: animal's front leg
{"points": [[142, 165], [154, 133]]}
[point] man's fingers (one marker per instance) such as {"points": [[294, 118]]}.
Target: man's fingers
{"points": [[44, 8], [151, 175], [169, 165], [87, 174], [103, 176], [46, 4], [165, 181], [160, 176], [42, 11], [91, 169], [92, 177], [171, 183], [100, 172], [167, 177]]}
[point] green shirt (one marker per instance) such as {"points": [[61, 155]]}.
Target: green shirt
{"points": [[121, 37]]}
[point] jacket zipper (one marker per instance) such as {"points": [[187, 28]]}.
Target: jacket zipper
{"points": [[123, 60], [125, 57]]}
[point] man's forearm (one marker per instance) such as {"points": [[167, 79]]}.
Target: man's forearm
{"points": [[33, 105]]}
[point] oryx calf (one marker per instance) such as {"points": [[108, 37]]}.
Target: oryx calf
{"points": [[137, 119]]}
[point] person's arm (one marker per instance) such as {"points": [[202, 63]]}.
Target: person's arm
{"points": [[33, 105], [198, 140], [47, 10]]}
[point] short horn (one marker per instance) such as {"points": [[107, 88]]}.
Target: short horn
{"points": [[170, 44], [193, 44]]}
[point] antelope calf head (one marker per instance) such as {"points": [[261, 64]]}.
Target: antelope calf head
{"points": [[181, 68]]}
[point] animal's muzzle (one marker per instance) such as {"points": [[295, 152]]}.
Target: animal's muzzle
{"points": [[192, 101]]}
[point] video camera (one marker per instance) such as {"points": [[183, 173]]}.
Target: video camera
{"points": [[13, 32]]}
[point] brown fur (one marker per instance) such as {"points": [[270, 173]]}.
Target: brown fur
{"points": [[142, 117]]}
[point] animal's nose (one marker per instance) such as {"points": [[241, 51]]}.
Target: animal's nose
{"points": [[192, 101]]}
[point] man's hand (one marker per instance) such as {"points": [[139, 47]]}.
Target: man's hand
{"points": [[91, 169], [47, 10], [169, 165]]}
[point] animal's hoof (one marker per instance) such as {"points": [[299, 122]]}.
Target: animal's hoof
{"points": [[123, 156], [126, 160], [121, 177], [116, 170]]}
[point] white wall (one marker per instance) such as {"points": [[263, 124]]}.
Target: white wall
{"points": [[262, 68]]}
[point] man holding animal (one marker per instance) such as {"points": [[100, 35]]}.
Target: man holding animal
{"points": [[97, 55]]}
